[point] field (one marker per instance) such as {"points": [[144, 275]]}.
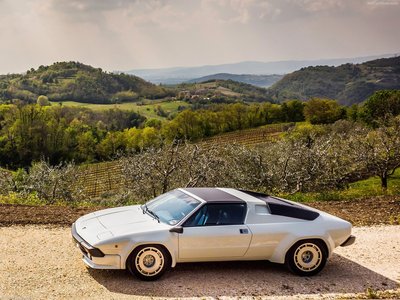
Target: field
{"points": [[147, 109], [101, 178], [252, 136]]}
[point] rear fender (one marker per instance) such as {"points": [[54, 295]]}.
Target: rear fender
{"points": [[279, 254]]}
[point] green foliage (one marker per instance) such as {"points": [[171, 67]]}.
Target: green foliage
{"points": [[381, 106], [17, 198], [293, 111], [43, 101], [323, 111], [76, 81], [29, 133], [347, 83], [197, 124]]}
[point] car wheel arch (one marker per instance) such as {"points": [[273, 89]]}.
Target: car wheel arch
{"points": [[171, 257], [319, 239]]}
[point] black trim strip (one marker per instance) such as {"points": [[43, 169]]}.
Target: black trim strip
{"points": [[350, 241], [85, 246]]}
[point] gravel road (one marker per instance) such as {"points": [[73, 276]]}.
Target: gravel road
{"points": [[40, 262]]}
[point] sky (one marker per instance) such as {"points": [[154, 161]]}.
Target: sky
{"points": [[132, 34]]}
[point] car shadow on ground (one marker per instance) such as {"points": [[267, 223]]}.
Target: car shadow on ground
{"points": [[340, 275]]}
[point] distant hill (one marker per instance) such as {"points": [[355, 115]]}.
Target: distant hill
{"points": [[76, 82], [348, 83], [183, 74], [257, 80]]}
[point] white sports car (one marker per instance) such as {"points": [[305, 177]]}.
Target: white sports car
{"points": [[209, 224]]}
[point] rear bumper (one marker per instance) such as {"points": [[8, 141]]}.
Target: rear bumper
{"points": [[350, 241], [94, 257]]}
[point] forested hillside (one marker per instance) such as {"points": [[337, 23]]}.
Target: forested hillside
{"points": [[348, 83], [75, 81]]}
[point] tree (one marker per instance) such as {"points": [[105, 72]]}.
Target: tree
{"points": [[293, 111], [43, 101], [323, 111], [381, 151], [86, 147], [381, 107]]}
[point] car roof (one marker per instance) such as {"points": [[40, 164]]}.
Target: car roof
{"points": [[276, 206], [213, 195]]}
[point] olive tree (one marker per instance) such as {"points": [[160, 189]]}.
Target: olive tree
{"points": [[156, 171], [381, 151], [53, 183]]}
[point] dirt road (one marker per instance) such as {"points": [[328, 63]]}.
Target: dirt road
{"points": [[40, 261]]}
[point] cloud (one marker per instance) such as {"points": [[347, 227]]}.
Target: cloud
{"points": [[89, 6], [126, 34]]}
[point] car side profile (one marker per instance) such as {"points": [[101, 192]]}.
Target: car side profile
{"points": [[209, 224]]}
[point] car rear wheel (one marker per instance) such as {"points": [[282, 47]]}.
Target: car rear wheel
{"points": [[307, 258], [148, 262]]}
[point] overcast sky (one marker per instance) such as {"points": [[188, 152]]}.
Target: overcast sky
{"points": [[131, 34]]}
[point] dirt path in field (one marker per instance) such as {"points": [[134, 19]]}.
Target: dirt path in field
{"points": [[40, 262]]}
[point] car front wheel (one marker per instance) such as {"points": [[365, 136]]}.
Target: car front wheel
{"points": [[148, 262], [307, 258]]}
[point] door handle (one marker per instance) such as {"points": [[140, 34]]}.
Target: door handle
{"points": [[243, 231]]}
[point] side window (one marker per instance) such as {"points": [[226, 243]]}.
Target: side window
{"points": [[218, 214]]}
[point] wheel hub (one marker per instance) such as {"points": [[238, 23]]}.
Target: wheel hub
{"points": [[307, 256], [149, 260]]}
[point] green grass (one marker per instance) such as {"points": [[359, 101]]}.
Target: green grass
{"points": [[148, 109], [370, 187]]}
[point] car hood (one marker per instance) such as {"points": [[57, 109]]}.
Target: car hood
{"points": [[113, 222]]}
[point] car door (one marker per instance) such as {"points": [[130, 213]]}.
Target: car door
{"points": [[215, 231]]}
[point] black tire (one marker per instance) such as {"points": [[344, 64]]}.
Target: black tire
{"points": [[148, 262], [307, 257]]}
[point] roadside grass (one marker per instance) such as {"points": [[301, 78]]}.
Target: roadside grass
{"points": [[147, 109], [370, 187]]}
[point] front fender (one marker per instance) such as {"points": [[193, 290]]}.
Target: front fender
{"points": [[166, 239]]}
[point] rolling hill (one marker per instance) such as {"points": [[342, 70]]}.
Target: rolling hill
{"points": [[220, 91], [75, 81], [348, 83], [257, 80], [182, 74]]}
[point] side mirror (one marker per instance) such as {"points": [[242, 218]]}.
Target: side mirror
{"points": [[177, 229]]}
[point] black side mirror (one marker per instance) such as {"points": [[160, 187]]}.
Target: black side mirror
{"points": [[177, 229]]}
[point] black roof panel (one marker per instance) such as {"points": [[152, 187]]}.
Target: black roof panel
{"points": [[214, 195]]}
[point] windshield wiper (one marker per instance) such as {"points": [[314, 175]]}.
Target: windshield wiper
{"points": [[150, 212]]}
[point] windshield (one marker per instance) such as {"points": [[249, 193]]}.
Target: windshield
{"points": [[171, 207]]}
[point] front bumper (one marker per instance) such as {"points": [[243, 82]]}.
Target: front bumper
{"points": [[84, 246], [350, 241], [94, 257]]}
